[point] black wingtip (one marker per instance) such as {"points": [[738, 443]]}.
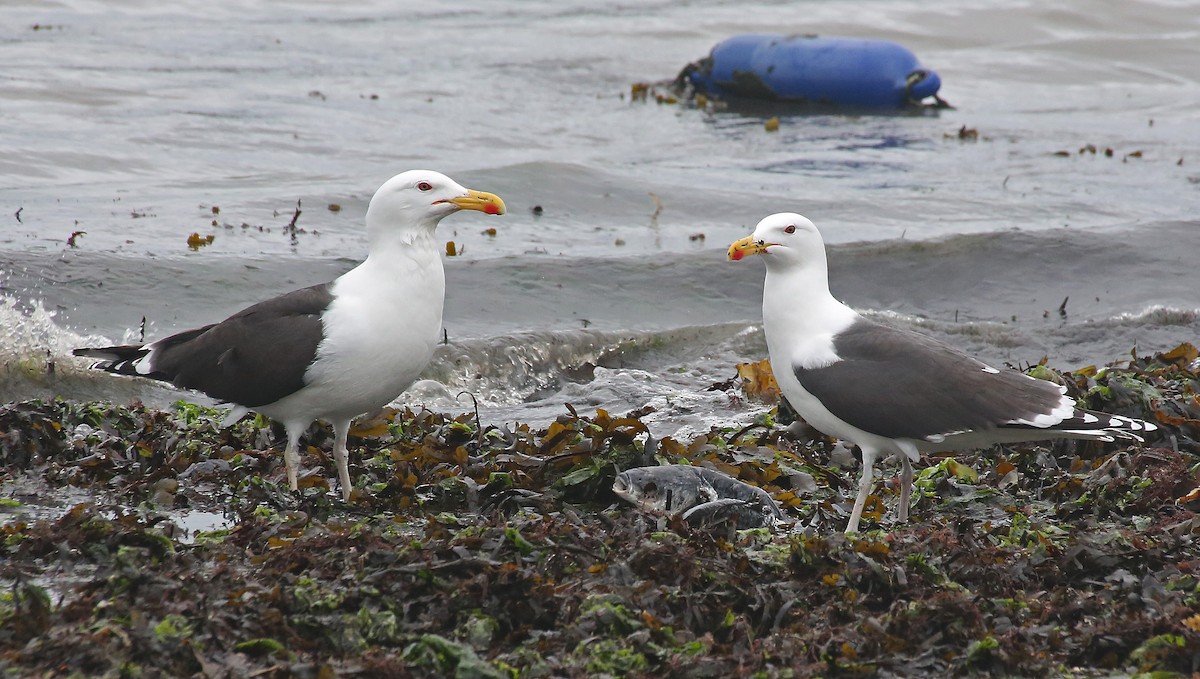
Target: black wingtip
{"points": [[119, 359], [124, 352]]}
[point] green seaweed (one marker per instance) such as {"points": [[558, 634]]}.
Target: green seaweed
{"points": [[502, 551]]}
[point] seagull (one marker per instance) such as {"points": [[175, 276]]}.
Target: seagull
{"points": [[894, 393], [331, 351]]}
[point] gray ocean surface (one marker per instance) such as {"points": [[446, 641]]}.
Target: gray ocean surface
{"points": [[139, 123]]}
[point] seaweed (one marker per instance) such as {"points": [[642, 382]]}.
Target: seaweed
{"points": [[499, 550]]}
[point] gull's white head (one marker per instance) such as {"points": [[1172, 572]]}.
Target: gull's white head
{"points": [[785, 239], [417, 200]]}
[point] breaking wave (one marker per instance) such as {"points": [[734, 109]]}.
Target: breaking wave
{"points": [[526, 375], [529, 376]]}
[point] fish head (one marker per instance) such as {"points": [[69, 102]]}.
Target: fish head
{"points": [[670, 489]]}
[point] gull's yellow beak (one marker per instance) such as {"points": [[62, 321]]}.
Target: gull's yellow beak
{"points": [[747, 246], [488, 203]]}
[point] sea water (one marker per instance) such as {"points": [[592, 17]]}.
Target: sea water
{"points": [[131, 125]]}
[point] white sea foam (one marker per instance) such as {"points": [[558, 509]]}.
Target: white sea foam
{"points": [[1157, 314], [32, 343], [36, 362]]}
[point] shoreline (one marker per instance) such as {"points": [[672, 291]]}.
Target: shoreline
{"points": [[502, 550]]}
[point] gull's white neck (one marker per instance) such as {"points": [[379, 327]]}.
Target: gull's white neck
{"points": [[386, 236], [396, 264], [800, 316]]}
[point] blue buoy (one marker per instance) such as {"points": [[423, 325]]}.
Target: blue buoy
{"points": [[846, 72]]}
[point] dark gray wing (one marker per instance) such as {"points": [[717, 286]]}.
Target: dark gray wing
{"points": [[902, 384], [255, 357]]}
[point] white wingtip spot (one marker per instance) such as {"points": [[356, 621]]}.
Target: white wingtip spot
{"points": [[1131, 423], [990, 370], [1041, 421], [145, 364], [1089, 434], [1064, 410]]}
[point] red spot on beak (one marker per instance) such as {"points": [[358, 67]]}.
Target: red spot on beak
{"points": [[736, 255], [491, 209]]}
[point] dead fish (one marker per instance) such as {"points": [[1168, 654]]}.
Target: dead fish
{"points": [[699, 495], [728, 511]]}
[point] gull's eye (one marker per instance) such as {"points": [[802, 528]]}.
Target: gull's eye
{"points": [[790, 228], [424, 186]]}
